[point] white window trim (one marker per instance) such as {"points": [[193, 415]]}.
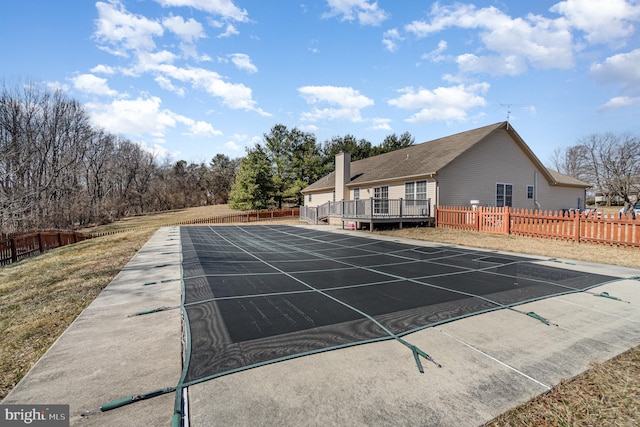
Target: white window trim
{"points": [[415, 191], [505, 184]]}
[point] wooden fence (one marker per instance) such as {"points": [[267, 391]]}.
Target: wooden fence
{"points": [[591, 227], [15, 247], [249, 216]]}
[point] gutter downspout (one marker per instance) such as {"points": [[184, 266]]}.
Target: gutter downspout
{"points": [[535, 189]]}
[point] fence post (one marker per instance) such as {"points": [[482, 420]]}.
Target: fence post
{"points": [[576, 224], [477, 215], [14, 250], [506, 224], [40, 242]]}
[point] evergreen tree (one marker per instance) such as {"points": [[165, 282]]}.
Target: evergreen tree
{"points": [[296, 162], [393, 142], [253, 187], [358, 149]]}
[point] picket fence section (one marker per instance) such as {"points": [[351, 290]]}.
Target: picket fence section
{"points": [[249, 216], [15, 247], [586, 227]]}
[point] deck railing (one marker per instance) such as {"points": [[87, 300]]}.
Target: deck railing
{"points": [[368, 209]]}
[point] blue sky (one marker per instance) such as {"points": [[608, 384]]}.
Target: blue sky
{"points": [[192, 78]]}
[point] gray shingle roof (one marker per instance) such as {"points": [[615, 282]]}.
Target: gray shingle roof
{"points": [[428, 158]]}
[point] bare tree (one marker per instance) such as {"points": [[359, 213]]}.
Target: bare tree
{"points": [[610, 162], [222, 174]]}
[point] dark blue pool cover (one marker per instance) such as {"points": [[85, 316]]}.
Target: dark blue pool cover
{"points": [[258, 294]]}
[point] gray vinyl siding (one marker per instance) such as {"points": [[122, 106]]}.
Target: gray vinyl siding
{"points": [[557, 198], [499, 159]]}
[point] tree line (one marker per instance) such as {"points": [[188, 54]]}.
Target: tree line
{"points": [[57, 170]]}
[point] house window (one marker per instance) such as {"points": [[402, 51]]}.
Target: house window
{"points": [[356, 194], [529, 191], [504, 195], [334, 195], [309, 198], [415, 193], [381, 200]]}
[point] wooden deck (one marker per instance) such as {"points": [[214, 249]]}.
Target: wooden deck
{"points": [[358, 213]]}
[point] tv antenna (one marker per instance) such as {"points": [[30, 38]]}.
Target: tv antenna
{"points": [[508, 107]]}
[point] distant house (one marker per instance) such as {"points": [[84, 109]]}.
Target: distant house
{"points": [[488, 166]]}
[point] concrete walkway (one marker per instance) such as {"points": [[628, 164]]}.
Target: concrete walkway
{"points": [[490, 362], [106, 355]]}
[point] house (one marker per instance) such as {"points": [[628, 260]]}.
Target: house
{"points": [[488, 166]]}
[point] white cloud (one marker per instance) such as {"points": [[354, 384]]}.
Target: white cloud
{"points": [[441, 104], [89, 83], [54, 86], [233, 95], [623, 70], [342, 96], [311, 128], [188, 31], [348, 103], [243, 62], [229, 31], [124, 31], [381, 124], [223, 8], [138, 116], [147, 61], [167, 84], [232, 145], [602, 22], [620, 102], [103, 69], [512, 65], [365, 11], [238, 141], [144, 116], [436, 54], [199, 128], [390, 39], [522, 42]]}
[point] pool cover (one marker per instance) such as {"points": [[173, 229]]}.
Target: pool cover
{"points": [[257, 294]]}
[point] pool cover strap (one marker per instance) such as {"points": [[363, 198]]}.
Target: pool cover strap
{"points": [[416, 353], [606, 295], [131, 399], [153, 310], [540, 318]]}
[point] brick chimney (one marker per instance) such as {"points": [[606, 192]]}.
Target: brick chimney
{"points": [[343, 175]]}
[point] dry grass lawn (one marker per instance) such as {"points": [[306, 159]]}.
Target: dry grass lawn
{"points": [[41, 296]]}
